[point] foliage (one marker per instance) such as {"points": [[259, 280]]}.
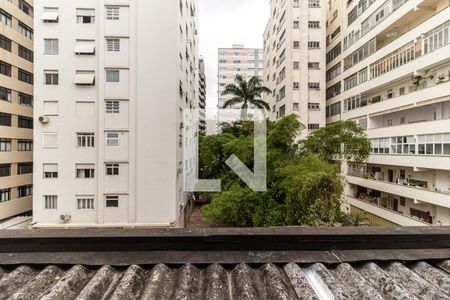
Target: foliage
{"points": [[304, 187], [355, 220], [246, 93], [341, 140]]}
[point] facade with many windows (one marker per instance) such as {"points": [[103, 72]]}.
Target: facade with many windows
{"points": [[16, 107], [108, 125], [238, 60], [391, 75], [294, 60]]}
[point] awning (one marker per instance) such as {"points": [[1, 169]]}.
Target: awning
{"points": [[85, 79], [50, 16], [85, 47]]}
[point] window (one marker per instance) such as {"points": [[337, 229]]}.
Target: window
{"points": [[296, 65], [5, 43], [112, 76], [113, 45], [313, 45], [333, 53], [50, 108], [314, 24], [25, 122], [5, 119], [51, 46], [296, 85], [314, 106], [85, 78], [25, 145], [5, 195], [296, 44], [85, 47], [313, 66], [351, 82], [5, 69], [50, 171], [112, 169], [296, 24], [5, 170], [24, 168], [295, 107], [333, 109], [360, 54], [25, 30], [50, 15], [85, 202], [5, 18], [5, 94], [85, 171], [85, 140], [112, 201], [314, 85], [50, 140], [282, 111], [314, 3], [402, 91], [51, 77], [112, 139], [334, 72], [50, 202], [24, 191], [313, 126], [5, 145], [112, 13], [112, 107], [25, 76], [86, 16], [26, 8], [25, 53]]}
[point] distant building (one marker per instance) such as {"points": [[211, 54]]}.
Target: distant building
{"points": [[388, 69], [247, 62], [113, 79], [294, 60], [16, 107]]}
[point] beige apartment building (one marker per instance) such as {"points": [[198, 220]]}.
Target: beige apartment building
{"points": [[16, 107], [294, 60], [388, 69], [238, 60]]}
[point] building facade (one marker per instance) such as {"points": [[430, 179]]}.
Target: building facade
{"points": [[202, 95], [294, 60], [238, 60], [388, 69], [109, 121], [16, 107]]}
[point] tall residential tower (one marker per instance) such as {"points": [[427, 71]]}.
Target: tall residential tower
{"points": [[388, 69], [294, 60], [112, 80], [16, 107]]}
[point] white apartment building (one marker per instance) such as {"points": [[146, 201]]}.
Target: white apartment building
{"points": [[238, 60], [388, 69], [294, 60], [112, 78]]}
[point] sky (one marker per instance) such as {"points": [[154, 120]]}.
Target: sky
{"points": [[224, 23]]}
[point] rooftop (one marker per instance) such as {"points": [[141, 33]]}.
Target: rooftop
{"points": [[276, 263]]}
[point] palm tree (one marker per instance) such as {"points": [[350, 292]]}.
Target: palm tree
{"points": [[246, 92]]}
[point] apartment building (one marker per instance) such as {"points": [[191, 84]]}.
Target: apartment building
{"points": [[294, 60], [388, 69], [238, 60], [16, 107], [202, 95], [112, 81]]}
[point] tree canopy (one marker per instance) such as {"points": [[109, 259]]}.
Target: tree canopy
{"points": [[304, 182]]}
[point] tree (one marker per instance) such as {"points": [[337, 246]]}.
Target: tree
{"points": [[246, 93], [341, 140]]}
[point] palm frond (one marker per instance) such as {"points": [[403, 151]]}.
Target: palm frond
{"points": [[233, 101]]}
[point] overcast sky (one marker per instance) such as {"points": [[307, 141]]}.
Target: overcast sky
{"points": [[224, 23]]}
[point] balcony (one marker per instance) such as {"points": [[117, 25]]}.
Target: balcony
{"points": [[385, 213], [403, 189]]}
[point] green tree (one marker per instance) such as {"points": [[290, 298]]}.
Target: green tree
{"points": [[338, 141], [246, 93]]}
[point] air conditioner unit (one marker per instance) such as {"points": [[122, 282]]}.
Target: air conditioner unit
{"points": [[65, 218], [44, 120]]}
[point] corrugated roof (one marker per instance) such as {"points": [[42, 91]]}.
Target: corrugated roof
{"points": [[393, 280]]}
